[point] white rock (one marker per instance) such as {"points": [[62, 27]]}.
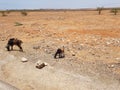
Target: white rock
{"points": [[108, 43], [112, 66], [40, 62], [24, 59], [117, 58]]}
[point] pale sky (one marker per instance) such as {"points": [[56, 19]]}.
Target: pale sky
{"points": [[57, 4]]}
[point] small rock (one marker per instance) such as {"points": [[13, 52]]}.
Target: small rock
{"points": [[24, 59], [112, 66], [117, 58], [40, 65], [108, 43], [36, 47], [73, 54]]}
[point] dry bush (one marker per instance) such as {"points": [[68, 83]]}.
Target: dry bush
{"points": [[3, 13], [24, 13], [114, 10]]}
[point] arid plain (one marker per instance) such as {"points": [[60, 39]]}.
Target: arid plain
{"points": [[92, 50]]}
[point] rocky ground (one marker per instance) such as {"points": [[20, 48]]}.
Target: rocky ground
{"points": [[92, 50]]}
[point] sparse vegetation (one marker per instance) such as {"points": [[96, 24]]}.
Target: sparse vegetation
{"points": [[3, 13], [24, 13], [8, 11], [18, 24], [114, 10], [99, 9]]}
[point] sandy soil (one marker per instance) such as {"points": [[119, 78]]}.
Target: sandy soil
{"points": [[6, 86], [92, 50]]}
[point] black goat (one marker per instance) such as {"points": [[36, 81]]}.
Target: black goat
{"points": [[12, 42], [60, 52]]}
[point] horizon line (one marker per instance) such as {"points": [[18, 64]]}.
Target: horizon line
{"points": [[64, 8]]}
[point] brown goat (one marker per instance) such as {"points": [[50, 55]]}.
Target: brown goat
{"points": [[12, 42], [60, 52]]}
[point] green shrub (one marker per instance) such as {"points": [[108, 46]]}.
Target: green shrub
{"points": [[18, 24]]}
